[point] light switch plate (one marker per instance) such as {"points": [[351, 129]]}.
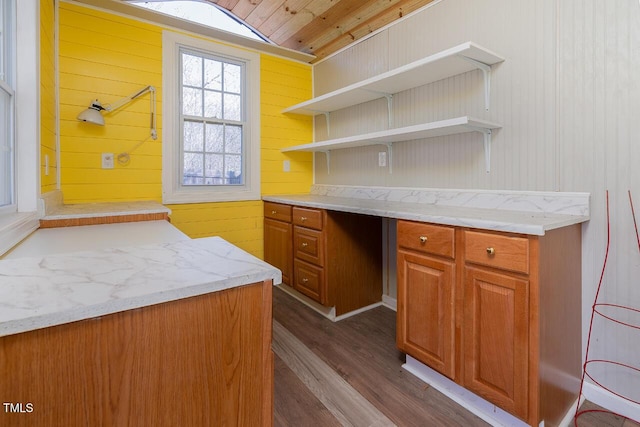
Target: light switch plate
{"points": [[382, 158]]}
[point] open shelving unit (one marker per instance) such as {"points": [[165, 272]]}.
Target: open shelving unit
{"points": [[447, 63]]}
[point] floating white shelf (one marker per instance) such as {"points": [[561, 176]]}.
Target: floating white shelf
{"points": [[456, 60], [388, 137]]}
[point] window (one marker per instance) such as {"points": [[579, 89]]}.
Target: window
{"points": [[7, 102], [212, 119], [19, 185], [204, 13], [211, 141]]}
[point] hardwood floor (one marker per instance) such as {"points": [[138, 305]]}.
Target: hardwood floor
{"points": [[349, 373]]}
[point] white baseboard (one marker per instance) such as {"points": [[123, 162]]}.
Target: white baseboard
{"points": [[487, 411], [606, 399], [328, 312], [389, 302]]}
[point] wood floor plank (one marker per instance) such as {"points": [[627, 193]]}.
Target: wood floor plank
{"points": [[346, 404], [294, 404]]}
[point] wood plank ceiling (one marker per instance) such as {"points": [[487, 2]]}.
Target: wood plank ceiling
{"points": [[318, 27]]}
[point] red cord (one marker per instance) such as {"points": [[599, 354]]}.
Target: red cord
{"points": [[635, 223]]}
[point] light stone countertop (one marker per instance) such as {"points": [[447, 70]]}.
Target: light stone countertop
{"points": [[93, 210], [42, 291], [531, 213]]}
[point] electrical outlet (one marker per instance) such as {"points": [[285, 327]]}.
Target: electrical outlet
{"points": [[107, 161], [286, 166], [382, 158]]}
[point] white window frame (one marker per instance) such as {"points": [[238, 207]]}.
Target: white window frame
{"points": [[172, 189], [18, 223]]}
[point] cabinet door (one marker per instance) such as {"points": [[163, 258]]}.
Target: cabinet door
{"points": [[278, 249], [425, 310], [496, 338]]}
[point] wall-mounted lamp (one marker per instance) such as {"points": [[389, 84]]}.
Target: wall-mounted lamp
{"points": [[93, 113]]}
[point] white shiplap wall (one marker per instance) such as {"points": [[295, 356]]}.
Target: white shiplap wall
{"points": [[568, 98]]}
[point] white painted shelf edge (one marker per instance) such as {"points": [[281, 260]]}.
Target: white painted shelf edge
{"points": [[453, 126], [456, 60]]}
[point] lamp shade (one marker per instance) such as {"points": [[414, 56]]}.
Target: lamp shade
{"points": [[92, 114]]}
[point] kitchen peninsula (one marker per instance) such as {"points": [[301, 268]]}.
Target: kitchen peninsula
{"points": [[163, 334]]}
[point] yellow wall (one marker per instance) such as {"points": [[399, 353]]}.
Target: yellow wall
{"points": [[106, 56], [48, 179]]}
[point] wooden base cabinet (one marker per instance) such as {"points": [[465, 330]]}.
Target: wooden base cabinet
{"points": [[425, 327], [336, 256], [516, 312], [200, 361]]}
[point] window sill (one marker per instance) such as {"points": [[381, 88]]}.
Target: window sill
{"points": [[15, 227]]}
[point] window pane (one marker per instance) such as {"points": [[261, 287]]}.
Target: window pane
{"points": [[191, 70], [193, 136], [232, 74], [215, 141], [213, 104], [193, 170], [214, 169], [212, 74], [232, 107], [233, 169], [192, 102], [233, 139]]}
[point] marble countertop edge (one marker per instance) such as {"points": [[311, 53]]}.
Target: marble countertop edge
{"points": [[80, 313], [532, 223]]}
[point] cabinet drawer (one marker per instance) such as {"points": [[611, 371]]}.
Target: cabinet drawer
{"points": [[427, 238], [310, 218], [277, 211], [308, 245], [309, 280], [499, 251]]}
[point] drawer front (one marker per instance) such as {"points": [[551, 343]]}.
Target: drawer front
{"points": [[310, 218], [309, 280], [499, 251], [277, 211], [308, 245], [427, 238]]}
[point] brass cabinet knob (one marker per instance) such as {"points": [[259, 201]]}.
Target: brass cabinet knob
{"points": [[491, 251], [274, 212], [423, 239], [305, 280], [303, 218], [305, 244]]}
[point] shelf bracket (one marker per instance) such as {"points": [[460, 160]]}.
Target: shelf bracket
{"points": [[390, 156], [327, 118], [389, 109], [487, 145], [327, 154], [486, 71]]}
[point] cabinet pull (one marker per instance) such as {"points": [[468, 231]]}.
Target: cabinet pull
{"points": [[491, 251], [423, 239], [305, 244], [303, 218], [305, 280], [274, 212]]}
